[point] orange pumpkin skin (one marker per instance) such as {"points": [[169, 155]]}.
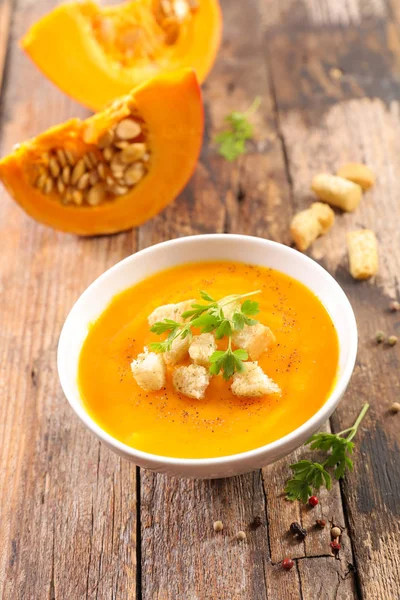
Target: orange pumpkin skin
{"points": [[92, 73], [172, 109]]}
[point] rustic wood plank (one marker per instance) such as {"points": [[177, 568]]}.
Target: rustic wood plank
{"points": [[336, 92], [252, 196], [67, 504], [5, 22]]}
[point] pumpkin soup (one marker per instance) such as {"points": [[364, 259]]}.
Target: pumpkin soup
{"points": [[286, 357]]}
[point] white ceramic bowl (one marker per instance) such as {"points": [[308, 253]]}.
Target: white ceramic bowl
{"points": [[240, 248]]}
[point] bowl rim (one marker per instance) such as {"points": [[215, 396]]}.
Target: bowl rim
{"points": [[308, 427]]}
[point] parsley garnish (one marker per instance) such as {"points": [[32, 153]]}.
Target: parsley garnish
{"points": [[211, 317], [310, 476], [232, 141]]}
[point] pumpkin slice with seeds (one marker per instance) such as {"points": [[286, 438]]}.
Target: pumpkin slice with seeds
{"points": [[105, 52], [116, 169]]}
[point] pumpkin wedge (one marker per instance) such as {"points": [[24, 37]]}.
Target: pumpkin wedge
{"points": [[97, 54], [116, 169]]}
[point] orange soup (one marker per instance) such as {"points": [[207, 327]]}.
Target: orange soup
{"points": [[303, 362]]}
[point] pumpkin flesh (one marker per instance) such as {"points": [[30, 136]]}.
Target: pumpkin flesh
{"points": [[105, 52], [167, 110]]}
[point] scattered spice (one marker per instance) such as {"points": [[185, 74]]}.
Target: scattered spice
{"points": [[335, 73], [392, 340], [336, 532], [218, 526], [256, 523], [320, 523], [298, 530], [335, 547], [287, 564], [313, 501], [395, 408], [380, 337], [394, 306], [241, 536]]}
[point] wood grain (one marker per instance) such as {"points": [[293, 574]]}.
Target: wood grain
{"points": [[67, 504], [5, 22], [70, 510]]}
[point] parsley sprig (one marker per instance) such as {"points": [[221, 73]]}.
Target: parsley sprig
{"points": [[210, 317], [232, 141], [310, 476]]}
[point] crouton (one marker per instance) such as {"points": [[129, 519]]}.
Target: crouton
{"points": [[309, 224], [253, 382], [358, 173], [170, 311], [363, 253], [179, 350], [149, 371], [337, 191], [191, 381], [201, 348], [255, 339]]}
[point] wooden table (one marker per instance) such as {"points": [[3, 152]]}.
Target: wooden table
{"points": [[77, 522]]}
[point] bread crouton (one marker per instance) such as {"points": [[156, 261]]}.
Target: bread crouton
{"points": [[170, 311], [363, 253], [191, 381], [358, 173], [253, 382], [149, 371], [337, 191], [201, 348], [255, 339], [179, 350], [309, 224]]}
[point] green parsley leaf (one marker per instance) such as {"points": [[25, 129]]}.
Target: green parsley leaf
{"points": [[232, 142], [250, 308], [309, 476]]}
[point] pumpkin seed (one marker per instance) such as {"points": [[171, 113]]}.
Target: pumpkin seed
{"points": [[87, 161], [134, 173], [40, 181], [127, 129], [110, 180], [70, 157], [83, 182], [60, 186], [93, 158], [108, 153], [106, 139], [166, 7], [66, 174], [54, 167], [61, 157], [78, 171], [48, 186], [132, 153], [119, 190], [77, 197], [121, 145], [96, 194], [93, 177], [101, 170]]}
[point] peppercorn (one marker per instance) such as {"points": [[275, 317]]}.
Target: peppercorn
{"points": [[218, 526], [287, 564], [313, 501], [335, 546], [392, 340], [256, 523], [394, 306], [336, 532], [320, 523], [298, 530], [395, 408], [380, 337], [241, 536]]}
